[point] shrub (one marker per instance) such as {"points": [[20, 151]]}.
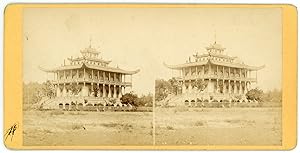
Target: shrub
{"points": [[170, 127], [255, 94], [199, 123], [77, 126]]}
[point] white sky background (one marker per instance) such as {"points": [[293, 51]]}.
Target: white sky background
{"points": [[144, 38]]}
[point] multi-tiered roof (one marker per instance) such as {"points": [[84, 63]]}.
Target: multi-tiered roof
{"points": [[215, 55], [90, 59]]}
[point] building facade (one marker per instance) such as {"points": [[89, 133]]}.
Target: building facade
{"points": [[214, 76], [89, 80]]}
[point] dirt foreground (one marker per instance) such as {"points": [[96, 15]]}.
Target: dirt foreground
{"points": [[48, 128], [221, 126]]}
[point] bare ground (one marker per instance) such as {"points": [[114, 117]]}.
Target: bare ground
{"points": [[51, 128], [221, 126], [173, 126]]}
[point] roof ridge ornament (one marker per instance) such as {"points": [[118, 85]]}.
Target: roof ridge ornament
{"points": [[90, 42], [215, 37]]}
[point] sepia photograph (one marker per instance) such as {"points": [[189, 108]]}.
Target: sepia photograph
{"points": [[83, 82], [129, 76], [222, 81]]}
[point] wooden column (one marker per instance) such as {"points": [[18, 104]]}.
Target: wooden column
{"points": [[103, 90], [223, 72], [58, 76], [125, 83], [103, 74], [234, 87], [240, 73], [115, 92], [109, 91], [115, 77], [84, 73], [120, 91], [241, 87], [77, 74], [108, 76], [229, 86], [183, 87], [217, 84], [181, 73], [223, 89]]}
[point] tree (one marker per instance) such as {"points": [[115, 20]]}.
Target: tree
{"points": [[200, 84], [274, 96], [255, 94], [145, 100], [162, 89], [75, 88], [32, 92], [129, 98], [174, 86], [96, 90], [221, 86], [48, 89]]}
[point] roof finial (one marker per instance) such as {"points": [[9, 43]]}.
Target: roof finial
{"points": [[215, 37], [90, 42]]}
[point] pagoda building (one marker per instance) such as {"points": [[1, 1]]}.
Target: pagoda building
{"points": [[223, 77], [95, 82]]}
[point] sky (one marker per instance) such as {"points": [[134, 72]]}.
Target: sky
{"points": [[145, 38]]}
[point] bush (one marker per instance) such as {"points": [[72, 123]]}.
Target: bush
{"points": [[77, 126], [129, 98], [199, 123], [170, 127], [255, 94]]}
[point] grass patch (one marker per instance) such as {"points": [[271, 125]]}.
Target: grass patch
{"points": [[57, 112], [77, 126], [127, 126], [77, 113], [199, 123], [47, 131], [181, 109], [170, 128], [233, 121], [119, 125], [110, 124]]}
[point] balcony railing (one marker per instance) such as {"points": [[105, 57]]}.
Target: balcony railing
{"points": [[89, 80], [215, 76]]}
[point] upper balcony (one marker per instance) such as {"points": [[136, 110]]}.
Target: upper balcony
{"points": [[89, 80], [215, 76]]}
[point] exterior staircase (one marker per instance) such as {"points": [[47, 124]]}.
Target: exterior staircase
{"points": [[53, 103]]}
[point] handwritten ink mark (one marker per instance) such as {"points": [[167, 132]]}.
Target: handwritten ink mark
{"points": [[11, 131]]}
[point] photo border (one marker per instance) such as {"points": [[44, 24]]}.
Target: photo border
{"points": [[13, 80]]}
